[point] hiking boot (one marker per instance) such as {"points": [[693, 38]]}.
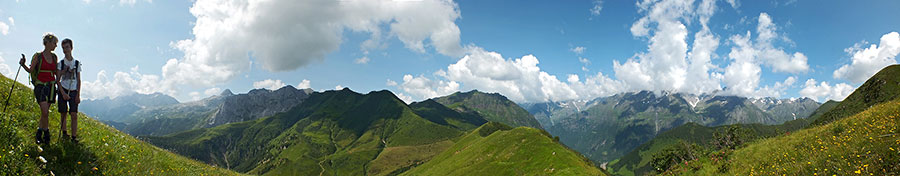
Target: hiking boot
{"points": [[64, 134], [74, 139], [46, 136], [37, 136]]}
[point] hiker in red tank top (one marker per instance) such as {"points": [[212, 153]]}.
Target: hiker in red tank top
{"points": [[47, 66], [43, 72]]}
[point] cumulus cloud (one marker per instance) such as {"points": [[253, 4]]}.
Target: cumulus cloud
{"points": [[824, 90], [734, 3], [124, 2], [578, 50], [4, 28], [123, 83], [779, 60], [212, 91], [406, 98], [519, 79], [362, 60], [390, 83], [598, 6], [868, 61], [742, 75], [4, 69], [12, 21], [304, 84], [338, 87], [268, 84], [426, 88], [669, 62], [286, 35]]}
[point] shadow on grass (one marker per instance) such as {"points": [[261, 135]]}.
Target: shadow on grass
{"points": [[65, 157]]}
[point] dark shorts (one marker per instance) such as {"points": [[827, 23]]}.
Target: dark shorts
{"points": [[43, 93], [67, 105]]}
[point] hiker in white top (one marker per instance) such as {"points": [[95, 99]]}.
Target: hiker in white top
{"points": [[69, 74]]}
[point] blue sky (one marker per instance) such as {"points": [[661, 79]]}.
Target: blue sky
{"points": [[423, 49]]}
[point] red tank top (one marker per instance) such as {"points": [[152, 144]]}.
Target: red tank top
{"points": [[47, 66]]}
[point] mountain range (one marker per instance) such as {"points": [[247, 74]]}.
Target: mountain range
{"points": [[606, 128], [347, 133], [856, 136], [165, 118]]}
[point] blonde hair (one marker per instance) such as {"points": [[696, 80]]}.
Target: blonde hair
{"points": [[49, 37]]}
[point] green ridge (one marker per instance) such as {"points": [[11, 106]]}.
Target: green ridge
{"points": [[498, 149], [882, 87], [492, 106]]}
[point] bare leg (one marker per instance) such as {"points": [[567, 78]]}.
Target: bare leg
{"points": [[44, 122], [74, 116], [62, 121]]}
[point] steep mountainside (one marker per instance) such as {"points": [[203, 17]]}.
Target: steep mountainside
{"points": [[491, 106], [497, 149], [102, 150], [333, 133], [213, 111], [606, 128]]}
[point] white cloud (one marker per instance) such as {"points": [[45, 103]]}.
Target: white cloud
{"points": [[667, 64], [304, 84], [425, 88], [584, 61], [734, 3], [866, 62], [338, 87], [212, 91], [406, 98], [830, 92], [286, 35], [12, 21], [4, 69], [391, 83], [123, 83], [362, 60], [124, 2], [268, 84], [519, 79], [4, 28], [774, 57], [742, 75], [195, 95], [598, 6], [529, 85], [578, 50]]}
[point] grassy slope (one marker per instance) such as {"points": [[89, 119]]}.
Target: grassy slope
{"points": [[497, 149], [336, 132], [865, 143], [493, 107], [881, 87], [102, 151], [637, 162]]}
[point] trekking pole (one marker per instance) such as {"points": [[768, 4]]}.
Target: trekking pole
{"points": [[13, 86]]}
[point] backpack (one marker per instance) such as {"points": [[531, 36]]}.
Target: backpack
{"points": [[35, 81], [65, 67]]}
